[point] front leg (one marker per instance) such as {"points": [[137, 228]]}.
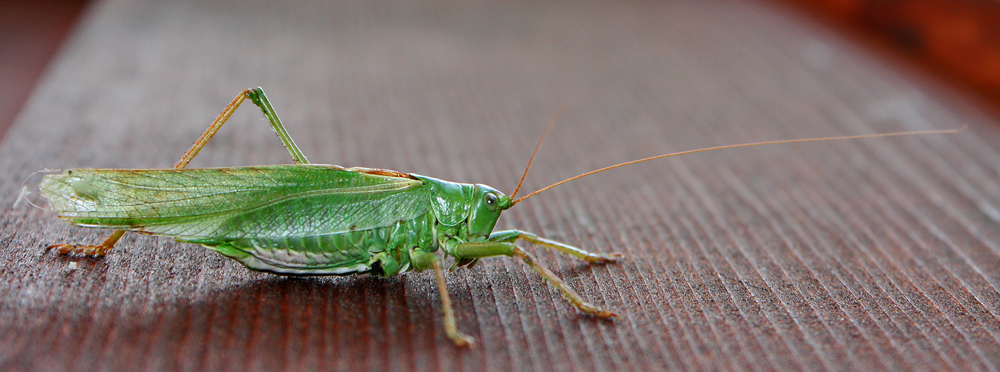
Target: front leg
{"points": [[503, 245], [591, 257]]}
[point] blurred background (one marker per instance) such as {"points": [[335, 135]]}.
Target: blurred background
{"points": [[956, 40], [30, 34]]}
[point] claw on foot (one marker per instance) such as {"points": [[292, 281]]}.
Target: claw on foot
{"points": [[86, 250], [461, 340], [90, 250], [604, 314], [597, 312], [604, 258]]}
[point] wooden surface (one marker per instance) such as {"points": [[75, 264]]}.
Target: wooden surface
{"points": [[856, 255]]}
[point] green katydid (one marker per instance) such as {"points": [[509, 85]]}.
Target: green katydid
{"points": [[309, 219]]}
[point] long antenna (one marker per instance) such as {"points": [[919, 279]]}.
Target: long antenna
{"points": [[735, 146], [552, 123]]}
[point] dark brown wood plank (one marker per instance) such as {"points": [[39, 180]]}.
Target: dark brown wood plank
{"points": [[853, 255]]}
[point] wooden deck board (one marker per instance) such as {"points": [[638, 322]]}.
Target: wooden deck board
{"points": [[853, 255]]}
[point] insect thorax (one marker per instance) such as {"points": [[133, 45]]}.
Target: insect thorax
{"points": [[462, 210]]}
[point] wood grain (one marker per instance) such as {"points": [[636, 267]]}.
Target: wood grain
{"points": [[854, 255]]}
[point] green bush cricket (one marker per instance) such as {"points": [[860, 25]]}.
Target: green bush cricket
{"points": [[310, 219]]}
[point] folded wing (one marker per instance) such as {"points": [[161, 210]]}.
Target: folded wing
{"points": [[232, 203]]}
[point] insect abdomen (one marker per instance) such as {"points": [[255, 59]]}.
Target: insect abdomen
{"points": [[383, 251]]}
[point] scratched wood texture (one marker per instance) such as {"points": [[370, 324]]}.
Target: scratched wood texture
{"points": [[855, 255]]}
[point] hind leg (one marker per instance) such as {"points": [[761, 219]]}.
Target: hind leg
{"points": [[90, 250], [256, 95]]}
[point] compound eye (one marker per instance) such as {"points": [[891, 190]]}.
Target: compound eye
{"points": [[491, 200]]}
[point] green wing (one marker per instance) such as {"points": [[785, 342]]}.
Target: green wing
{"points": [[232, 203]]}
